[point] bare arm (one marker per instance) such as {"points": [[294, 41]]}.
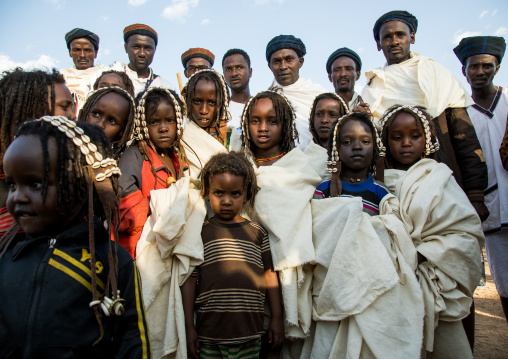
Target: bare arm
{"points": [[188, 290], [276, 327]]}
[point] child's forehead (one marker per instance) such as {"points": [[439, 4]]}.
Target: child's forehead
{"points": [[227, 178], [354, 125], [27, 149], [405, 120], [327, 101]]}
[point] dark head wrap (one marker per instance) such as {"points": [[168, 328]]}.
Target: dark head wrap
{"points": [[491, 45], [285, 42], [400, 15], [78, 33], [343, 51], [139, 29], [197, 52]]}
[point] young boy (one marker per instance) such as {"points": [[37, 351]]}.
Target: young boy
{"points": [[228, 289]]}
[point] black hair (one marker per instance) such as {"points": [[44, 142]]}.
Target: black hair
{"points": [[327, 95], [129, 87], [236, 52], [235, 163], [24, 96], [93, 98], [284, 113]]}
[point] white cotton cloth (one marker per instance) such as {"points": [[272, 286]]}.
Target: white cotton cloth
{"points": [[301, 94], [169, 249], [365, 279], [446, 230], [355, 101], [140, 83], [318, 156], [282, 207], [234, 125], [80, 82], [199, 147], [417, 81]]}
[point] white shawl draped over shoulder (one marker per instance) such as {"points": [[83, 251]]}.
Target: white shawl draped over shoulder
{"points": [[446, 230], [282, 207], [169, 249]]}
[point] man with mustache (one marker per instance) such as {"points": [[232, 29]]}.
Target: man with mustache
{"points": [[481, 58], [409, 78], [140, 45], [284, 54]]}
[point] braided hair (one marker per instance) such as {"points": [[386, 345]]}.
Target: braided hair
{"points": [[87, 185], [344, 110], [129, 87], [222, 96], [91, 101], [148, 102], [235, 163], [419, 113], [284, 113], [24, 96]]}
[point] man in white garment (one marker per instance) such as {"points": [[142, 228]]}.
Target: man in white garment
{"points": [[344, 67], [83, 46], [409, 78], [284, 54], [140, 45], [237, 73], [481, 58]]}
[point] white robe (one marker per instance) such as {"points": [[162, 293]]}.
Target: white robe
{"points": [[234, 125], [80, 82], [140, 83], [301, 94]]}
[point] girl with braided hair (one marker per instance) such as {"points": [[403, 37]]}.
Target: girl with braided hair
{"points": [[112, 109], [156, 160], [325, 109], [443, 225], [79, 290]]}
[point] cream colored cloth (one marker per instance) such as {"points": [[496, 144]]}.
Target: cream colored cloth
{"points": [[80, 82], [365, 279], [446, 230], [318, 156], [301, 94], [199, 148], [234, 125], [282, 207], [417, 81], [169, 249]]}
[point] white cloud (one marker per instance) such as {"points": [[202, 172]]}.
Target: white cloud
{"points": [[136, 2], [179, 10], [501, 31], [43, 62], [494, 12], [263, 2], [361, 49], [106, 51], [460, 35], [484, 12], [104, 18], [57, 3], [205, 21]]}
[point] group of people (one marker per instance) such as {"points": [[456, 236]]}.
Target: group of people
{"points": [[144, 221]]}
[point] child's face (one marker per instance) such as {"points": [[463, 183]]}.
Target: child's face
{"points": [[227, 196], [110, 113], [204, 103], [24, 171], [356, 149], [111, 80], [63, 102], [265, 128], [162, 126], [406, 140], [327, 111]]}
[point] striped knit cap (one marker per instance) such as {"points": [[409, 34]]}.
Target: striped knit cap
{"points": [[139, 29], [78, 33], [285, 42]]}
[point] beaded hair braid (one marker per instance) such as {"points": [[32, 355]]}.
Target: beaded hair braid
{"points": [[326, 95], [283, 109], [141, 134]]}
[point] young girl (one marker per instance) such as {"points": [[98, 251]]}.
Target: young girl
{"points": [[155, 161], [353, 150], [77, 290], [443, 225], [325, 110], [112, 109], [114, 78], [228, 289]]}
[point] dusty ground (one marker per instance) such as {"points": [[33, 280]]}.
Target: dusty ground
{"points": [[491, 333]]}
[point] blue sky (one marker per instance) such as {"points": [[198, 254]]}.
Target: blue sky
{"points": [[33, 31]]}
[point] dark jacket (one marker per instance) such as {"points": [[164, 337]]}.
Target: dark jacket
{"points": [[45, 293]]}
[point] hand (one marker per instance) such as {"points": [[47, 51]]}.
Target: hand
{"points": [[192, 343], [481, 209], [364, 108], [275, 332]]}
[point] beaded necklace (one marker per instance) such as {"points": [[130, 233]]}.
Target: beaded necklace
{"points": [[270, 158]]}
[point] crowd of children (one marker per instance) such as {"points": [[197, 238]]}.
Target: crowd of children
{"points": [[361, 245]]}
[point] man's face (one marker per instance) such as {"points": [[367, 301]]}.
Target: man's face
{"points": [[285, 65], [140, 49], [237, 72], [395, 38], [196, 64], [344, 74], [83, 53], [480, 70]]}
